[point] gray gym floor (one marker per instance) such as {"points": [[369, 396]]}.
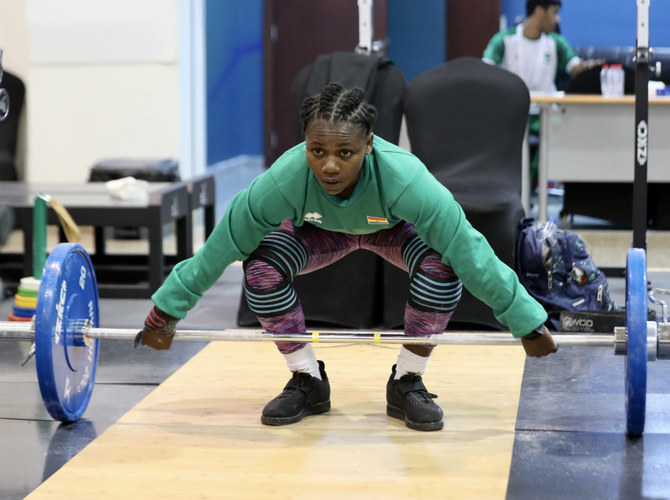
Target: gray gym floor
{"points": [[570, 441]]}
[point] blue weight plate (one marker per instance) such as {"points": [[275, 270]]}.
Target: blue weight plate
{"points": [[636, 326], [68, 297], [23, 312]]}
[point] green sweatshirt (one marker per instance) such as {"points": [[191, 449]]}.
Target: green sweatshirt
{"points": [[394, 186]]}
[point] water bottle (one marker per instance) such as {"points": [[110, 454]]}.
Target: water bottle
{"points": [[612, 80], [616, 78], [605, 85], [546, 229]]}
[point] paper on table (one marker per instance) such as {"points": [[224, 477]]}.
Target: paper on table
{"points": [[128, 189]]}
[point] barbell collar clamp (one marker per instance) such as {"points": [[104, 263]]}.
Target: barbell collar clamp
{"points": [[620, 340], [652, 340], [663, 341]]}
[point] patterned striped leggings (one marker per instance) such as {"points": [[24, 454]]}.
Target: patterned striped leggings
{"points": [[269, 272]]}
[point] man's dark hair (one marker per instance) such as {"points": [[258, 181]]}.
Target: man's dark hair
{"points": [[531, 4], [336, 104]]}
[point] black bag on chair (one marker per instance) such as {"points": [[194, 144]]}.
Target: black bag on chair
{"points": [[347, 293], [466, 120]]}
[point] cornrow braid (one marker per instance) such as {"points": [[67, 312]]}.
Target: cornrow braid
{"points": [[335, 104]]}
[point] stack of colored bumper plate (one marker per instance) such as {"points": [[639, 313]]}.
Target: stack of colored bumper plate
{"points": [[25, 300]]}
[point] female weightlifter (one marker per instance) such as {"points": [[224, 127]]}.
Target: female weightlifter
{"points": [[345, 189]]}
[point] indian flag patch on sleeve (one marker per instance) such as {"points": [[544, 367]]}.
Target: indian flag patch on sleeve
{"points": [[377, 220]]}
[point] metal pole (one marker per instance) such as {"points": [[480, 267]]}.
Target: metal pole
{"points": [[542, 174], [382, 337], [80, 333], [642, 60], [15, 330], [365, 26]]}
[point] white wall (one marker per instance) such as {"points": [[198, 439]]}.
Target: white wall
{"points": [[14, 41], [102, 81], [14, 36]]}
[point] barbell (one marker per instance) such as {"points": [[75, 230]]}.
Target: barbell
{"points": [[65, 332]]}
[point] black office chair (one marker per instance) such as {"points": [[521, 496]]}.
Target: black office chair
{"points": [[383, 82], [9, 132], [466, 121], [9, 127], [349, 292]]}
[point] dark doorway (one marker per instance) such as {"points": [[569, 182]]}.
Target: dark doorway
{"points": [[295, 33], [470, 25]]}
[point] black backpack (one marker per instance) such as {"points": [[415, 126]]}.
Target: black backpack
{"points": [[556, 269]]}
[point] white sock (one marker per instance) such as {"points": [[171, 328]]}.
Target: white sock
{"points": [[303, 360], [408, 362]]}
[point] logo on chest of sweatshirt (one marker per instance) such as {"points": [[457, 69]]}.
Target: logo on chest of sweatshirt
{"points": [[377, 220], [314, 217]]}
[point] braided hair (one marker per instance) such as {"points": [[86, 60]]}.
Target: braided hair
{"points": [[335, 104]]}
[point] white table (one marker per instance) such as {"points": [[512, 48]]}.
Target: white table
{"points": [[590, 138]]}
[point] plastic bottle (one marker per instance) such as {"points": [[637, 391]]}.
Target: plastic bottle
{"points": [[615, 76], [546, 229], [605, 81]]}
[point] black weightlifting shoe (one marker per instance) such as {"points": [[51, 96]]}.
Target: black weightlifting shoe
{"points": [[303, 395], [408, 400]]}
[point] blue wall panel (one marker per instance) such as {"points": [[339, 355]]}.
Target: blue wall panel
{"points": [[234, 46], [603, 22], [513, 10], [416, 32]]}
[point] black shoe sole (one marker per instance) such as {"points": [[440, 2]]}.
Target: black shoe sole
{"points": [[312, 410], [395, 412]]}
